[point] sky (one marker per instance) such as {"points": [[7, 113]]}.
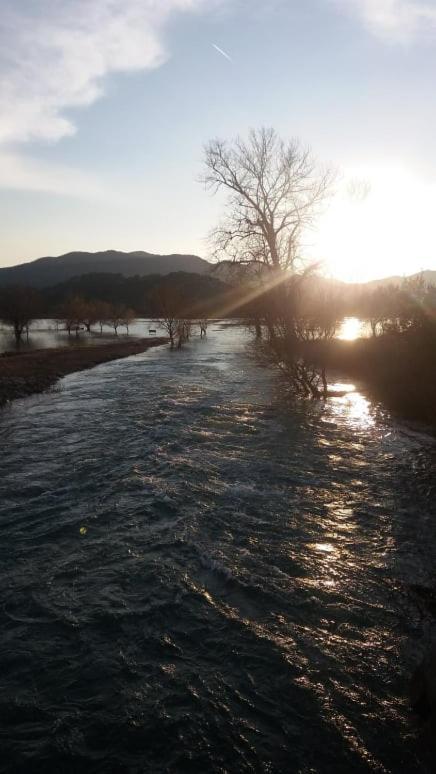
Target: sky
{"points": [[105, 108]]}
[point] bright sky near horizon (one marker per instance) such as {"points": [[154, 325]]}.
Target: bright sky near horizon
{"points": [[105, 107]]}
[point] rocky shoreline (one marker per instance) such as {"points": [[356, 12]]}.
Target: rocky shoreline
{"points": [[26, 373]]}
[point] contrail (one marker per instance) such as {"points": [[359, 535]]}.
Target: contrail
{"points": [[223, 53]]}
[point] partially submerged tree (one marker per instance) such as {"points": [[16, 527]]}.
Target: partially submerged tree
{"points": [[169, 309], [397, 308], [128, 316], [117, 317], [275, 193], [378, 307], [72, 314], [90, 314], [103, 313], [19, 306], [319, 314]]}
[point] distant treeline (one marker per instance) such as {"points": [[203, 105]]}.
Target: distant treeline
{"points": [[200, 294], [115, 300]]}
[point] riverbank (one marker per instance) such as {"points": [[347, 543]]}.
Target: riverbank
{"points": [[26, 373]]}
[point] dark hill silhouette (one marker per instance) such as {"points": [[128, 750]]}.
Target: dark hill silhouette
{"points": [[45, 272], [201, 293]]}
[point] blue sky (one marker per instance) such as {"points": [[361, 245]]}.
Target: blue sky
{"points": [[105, 107]]}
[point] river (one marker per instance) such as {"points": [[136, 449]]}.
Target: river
{"points": [[199, 576]]}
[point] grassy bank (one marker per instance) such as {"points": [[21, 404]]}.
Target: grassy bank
{"points": [[399, 369], [25, 373]]}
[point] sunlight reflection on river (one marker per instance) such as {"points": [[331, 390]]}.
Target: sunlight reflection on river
{"points": [[351, 405], [352, 328]]}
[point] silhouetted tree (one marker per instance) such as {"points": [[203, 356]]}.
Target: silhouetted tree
{"points": [[319, 314], [103, 313], [19, 306], [169, 305], [72, 313], [275, 191], [90, 314], [396, 309], [117, 317], [412, 312], [127, 318]]}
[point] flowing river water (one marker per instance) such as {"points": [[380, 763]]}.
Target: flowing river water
{"points": [[197, 576]]}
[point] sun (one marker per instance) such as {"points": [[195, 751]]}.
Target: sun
{"points": [[379, 224]]}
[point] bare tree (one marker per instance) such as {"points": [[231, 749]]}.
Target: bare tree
{"points": [[380, 306], [19, 306], [275, 190], [275, 193], [103, 313], [72, 312], [168, 305], [187, 328], [90, 314], [128, 317], [117, 317], [319, 315]]}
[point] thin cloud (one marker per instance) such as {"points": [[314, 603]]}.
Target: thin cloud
{"points": [[55, 56], [20, 172], [223, 53], [395, 20]]}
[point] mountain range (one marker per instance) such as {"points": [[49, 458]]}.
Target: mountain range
{"points": [[48, 271]]}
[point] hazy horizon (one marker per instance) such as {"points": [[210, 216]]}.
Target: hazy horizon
{"points": [[323, 270], [105, 111]]}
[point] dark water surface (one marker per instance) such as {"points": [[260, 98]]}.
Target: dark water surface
{"points": [[197, 578]]}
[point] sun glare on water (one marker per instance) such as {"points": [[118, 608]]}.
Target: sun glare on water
{"points": [[351, 329]]}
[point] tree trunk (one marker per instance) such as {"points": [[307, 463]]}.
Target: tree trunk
{"points": [[324, 382]]}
